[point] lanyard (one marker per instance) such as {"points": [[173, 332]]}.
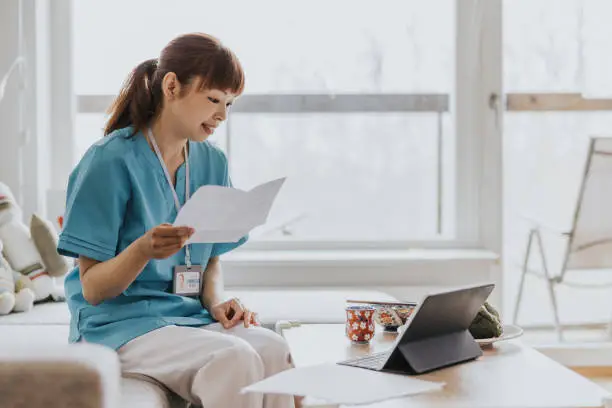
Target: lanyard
{"points": [[177, 203]]}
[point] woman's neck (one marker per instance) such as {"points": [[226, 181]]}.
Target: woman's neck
{"points": [[170, 143]]}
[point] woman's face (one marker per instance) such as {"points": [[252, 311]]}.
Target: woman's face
{"points": [[197, 113]]}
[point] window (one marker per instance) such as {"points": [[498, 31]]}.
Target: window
{"points": [[556, 74], [356, 105], [551, 49]]}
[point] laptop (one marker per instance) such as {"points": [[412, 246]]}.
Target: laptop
{"points": [[435, 336]]}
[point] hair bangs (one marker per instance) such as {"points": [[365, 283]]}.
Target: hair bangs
{"points": [[225, 73]]}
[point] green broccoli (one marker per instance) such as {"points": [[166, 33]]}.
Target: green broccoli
{"points": [[486, 324], [492, 310]]}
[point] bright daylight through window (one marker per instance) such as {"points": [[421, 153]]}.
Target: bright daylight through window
{"points": [[357, 113]]}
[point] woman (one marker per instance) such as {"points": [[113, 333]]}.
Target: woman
{"points": [[122, 198]]}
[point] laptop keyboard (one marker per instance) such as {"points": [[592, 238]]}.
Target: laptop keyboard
{"points": [[373, 361]]}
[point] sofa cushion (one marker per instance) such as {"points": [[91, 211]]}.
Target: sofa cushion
{"points": [[53, 313], [135, 393], [60, 375], [33, 336], [57, 384], [47, 325], [138, 393]]}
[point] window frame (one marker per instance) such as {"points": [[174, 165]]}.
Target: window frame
{"points": [[476, 103], [473, 118]]}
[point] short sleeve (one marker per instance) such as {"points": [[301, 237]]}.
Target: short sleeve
{"points": [[221, 248], [97, 196]]}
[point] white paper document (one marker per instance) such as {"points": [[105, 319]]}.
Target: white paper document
{"points": [[336, 384], [225, 214]]}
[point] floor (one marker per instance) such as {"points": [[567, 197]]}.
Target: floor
{"points": [[590, 335]]}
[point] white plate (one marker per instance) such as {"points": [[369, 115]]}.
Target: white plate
{"points": [[510, 332]]}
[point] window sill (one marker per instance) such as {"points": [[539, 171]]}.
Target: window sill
{"points": [[371, 268], [358, 256]]}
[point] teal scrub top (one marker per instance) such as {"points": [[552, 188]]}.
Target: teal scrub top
{"points": [[116, 193]]}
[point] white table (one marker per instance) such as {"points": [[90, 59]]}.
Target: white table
{"points": [[510, 375]]}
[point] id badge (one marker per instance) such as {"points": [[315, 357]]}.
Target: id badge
{"points": [[187, 280]]}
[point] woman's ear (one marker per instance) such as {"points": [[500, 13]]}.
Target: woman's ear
{"points": [[171, 87]]}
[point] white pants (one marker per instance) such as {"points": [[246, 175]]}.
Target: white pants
{"points": [[208, 366]]}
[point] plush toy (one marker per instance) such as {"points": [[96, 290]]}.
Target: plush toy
{"points": [[31, 251], [16, 294]]}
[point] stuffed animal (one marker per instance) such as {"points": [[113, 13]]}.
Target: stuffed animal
{"points": [[31, 251], [16, 294]]}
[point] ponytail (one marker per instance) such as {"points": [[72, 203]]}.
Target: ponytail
{"points": [[138, 100], [190, 57]]}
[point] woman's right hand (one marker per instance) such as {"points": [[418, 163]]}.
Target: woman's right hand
{"points": [[164, 241]]}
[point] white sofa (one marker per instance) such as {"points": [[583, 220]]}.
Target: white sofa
{"points": [[32, 342]]}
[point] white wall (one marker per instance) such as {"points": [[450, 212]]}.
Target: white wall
{"points": [[25, 147], [9, 108]]}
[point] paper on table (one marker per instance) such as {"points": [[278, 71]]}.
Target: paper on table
{"points": [[224, 214], [336, 384]]}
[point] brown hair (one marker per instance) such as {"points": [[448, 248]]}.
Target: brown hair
{"points": [[189, 56]]}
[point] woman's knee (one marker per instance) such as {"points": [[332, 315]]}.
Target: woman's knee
{"points": [[273, 350], [233, 366], [241, 356], [237, 361]]}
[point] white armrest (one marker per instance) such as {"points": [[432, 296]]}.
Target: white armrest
{"points": [[86, 375]]}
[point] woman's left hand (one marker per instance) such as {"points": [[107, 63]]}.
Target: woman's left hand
{"points": [[231, 312]]}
